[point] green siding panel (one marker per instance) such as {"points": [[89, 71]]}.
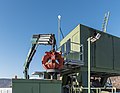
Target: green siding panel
{"points": [[101, 50], [116, 53], [36, 86], [50, 88], [23, 87], [84, 34], [104, 52]]}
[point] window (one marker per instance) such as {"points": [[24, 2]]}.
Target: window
{"points": [[68, 46], [81, 53], [63, 48]]}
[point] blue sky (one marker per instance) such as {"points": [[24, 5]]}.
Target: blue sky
{"points": [[20, 19]]}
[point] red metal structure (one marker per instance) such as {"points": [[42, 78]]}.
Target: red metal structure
{"points": [[52, 60]]}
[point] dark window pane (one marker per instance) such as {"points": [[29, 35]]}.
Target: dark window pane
{"points": [[63, 48], [68, 46]]}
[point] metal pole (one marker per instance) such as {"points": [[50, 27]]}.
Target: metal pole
{"points": [[59, 18], [89, 64], [89, 40]]}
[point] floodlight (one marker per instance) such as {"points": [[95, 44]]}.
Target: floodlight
{"points": [[98, 36], [59, 17]]}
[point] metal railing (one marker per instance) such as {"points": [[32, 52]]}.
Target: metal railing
{"points": [[95, 90], [5, 90]]}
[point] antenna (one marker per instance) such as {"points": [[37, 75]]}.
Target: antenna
{"points": [[59, 30], [59, 19], [105, 21]]}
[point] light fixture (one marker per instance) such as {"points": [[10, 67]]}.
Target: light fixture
{"points": [[59, 17], [96, 37]]}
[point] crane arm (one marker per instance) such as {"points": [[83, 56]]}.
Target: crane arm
{"points": [[40, 39]]}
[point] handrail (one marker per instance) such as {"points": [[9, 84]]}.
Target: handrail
{"points": [[98, 89]]}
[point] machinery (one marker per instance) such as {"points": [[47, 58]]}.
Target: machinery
{"points": [[71, 63], [52, 60]]}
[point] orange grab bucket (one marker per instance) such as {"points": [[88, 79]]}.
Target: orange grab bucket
{"points": [[52, 60]]}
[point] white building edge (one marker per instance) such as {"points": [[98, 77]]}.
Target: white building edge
{"points": [[5, 90]]}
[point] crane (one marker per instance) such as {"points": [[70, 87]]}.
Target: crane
{"points": [[40, 39]]}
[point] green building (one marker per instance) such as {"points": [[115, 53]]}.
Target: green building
{"points": [[104, 55]]}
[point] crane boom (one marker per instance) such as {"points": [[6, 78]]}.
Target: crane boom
{"points": [[40, 39]]}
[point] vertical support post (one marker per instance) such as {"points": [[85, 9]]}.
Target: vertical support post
{"points": [[51, 77], [97, 90], [26, 73], [89, 64], [89, 40]]}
